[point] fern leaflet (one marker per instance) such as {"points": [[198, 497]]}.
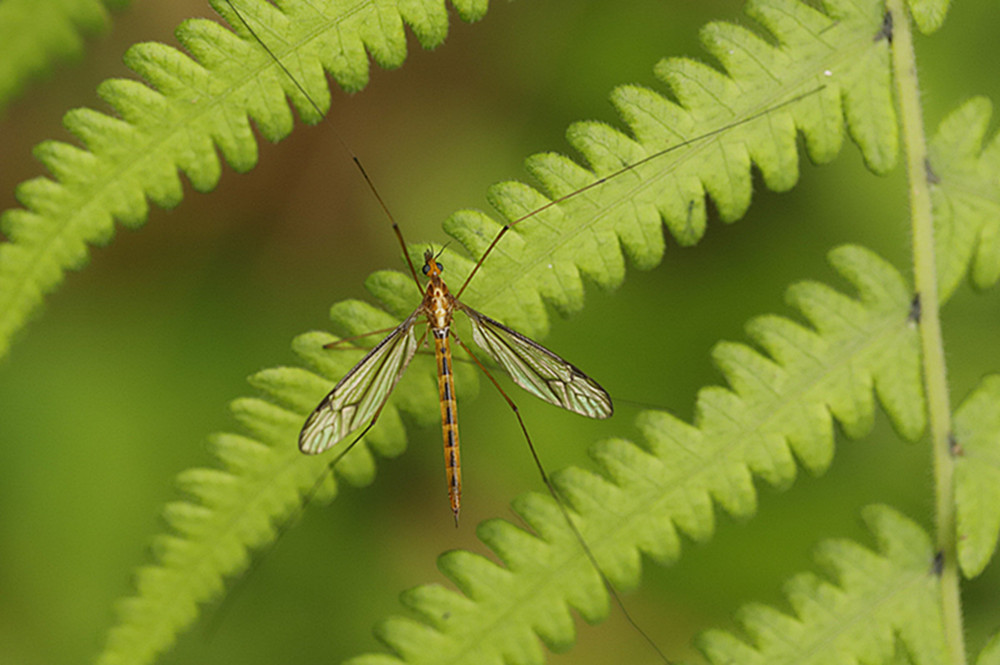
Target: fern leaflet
{"points": [[990, 655], [37, 33], [963, 178], [977, 475], [929, 15]]}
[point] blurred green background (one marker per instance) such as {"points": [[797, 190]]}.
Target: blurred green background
{"points": [[116, 386]]}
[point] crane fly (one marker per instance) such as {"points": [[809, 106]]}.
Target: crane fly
{"points": [[358, 398]]}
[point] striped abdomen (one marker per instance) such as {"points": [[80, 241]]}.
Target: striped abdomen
{"points": [[449, 418]]}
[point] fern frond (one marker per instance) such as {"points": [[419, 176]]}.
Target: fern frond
{"points": [[192, 107], [977, 475], [38, 33], [837, 56], [964, 177], [779, 407], [875, 598]]}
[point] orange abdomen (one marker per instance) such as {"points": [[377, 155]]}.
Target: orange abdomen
{"points": [[449, 419]]}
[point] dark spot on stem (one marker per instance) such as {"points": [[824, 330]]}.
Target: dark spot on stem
{"points": [[932, 177], [954, 447], [885, 32], [915, 308]]}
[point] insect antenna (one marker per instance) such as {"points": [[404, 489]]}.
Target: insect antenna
{"points": [[441, 251]]}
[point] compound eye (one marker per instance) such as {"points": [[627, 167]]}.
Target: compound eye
{"points": [[440, 267], [426, 268]]}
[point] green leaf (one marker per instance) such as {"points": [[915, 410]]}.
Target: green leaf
{"points": [[966, 197], [39, 33], [191, 108], [929, 15], [875, 598], [990, 655], [977, 475]]}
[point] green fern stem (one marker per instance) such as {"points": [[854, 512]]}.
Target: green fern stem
{"points": [[925, 280]]}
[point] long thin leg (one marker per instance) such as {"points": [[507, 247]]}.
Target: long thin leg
{"points": [[562, 506], [348, 340]]}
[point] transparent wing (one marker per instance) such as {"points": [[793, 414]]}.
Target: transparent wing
{"points": [[359, 397], [538, 370]]}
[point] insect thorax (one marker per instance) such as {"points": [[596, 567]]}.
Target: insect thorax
{"points": [[438, 305]]}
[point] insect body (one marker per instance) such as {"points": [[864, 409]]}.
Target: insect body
{"points": [[356, 401]]}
